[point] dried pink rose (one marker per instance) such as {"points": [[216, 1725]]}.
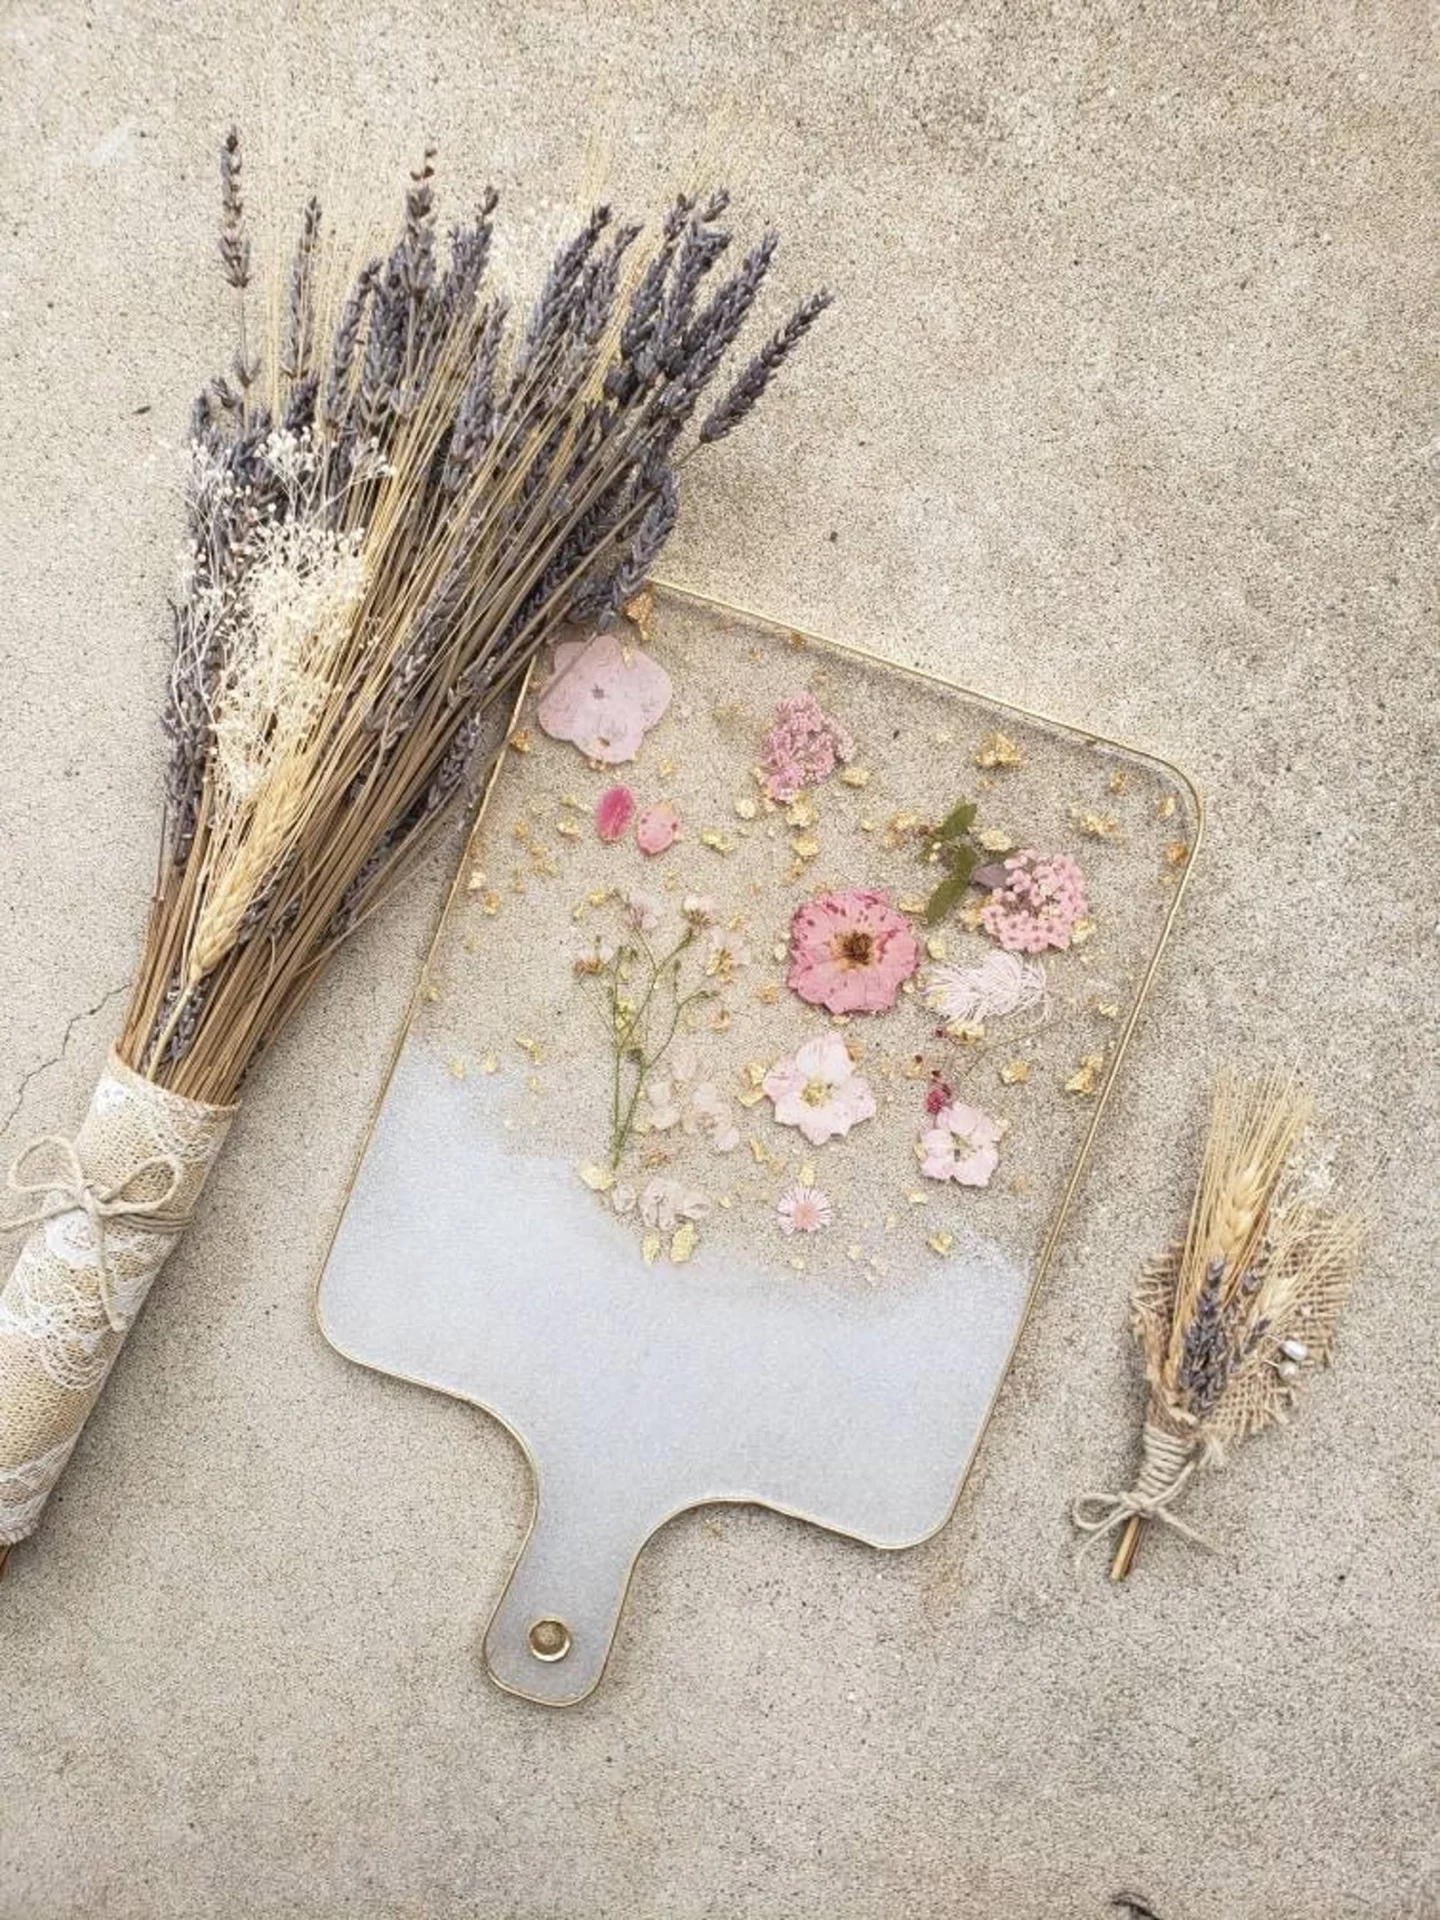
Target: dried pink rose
{"points": [[614, 811], [803, 746], [1042, 899], [604, 697], [851, 952], [818, 1090], [961, 1146], [657, 827]]}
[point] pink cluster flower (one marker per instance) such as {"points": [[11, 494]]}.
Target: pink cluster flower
{"points": [[961, 1146], [1042, 899], [804, 745], [851, 952]]}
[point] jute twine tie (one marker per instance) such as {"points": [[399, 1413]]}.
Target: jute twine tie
{"points": [[71, 1190], [1166, 1464]]}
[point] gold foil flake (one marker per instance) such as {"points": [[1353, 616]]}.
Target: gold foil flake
{"points": [[972, 1032], [533, 1083], [683, 1243], [1094, 826], [598, 896], [797, 1263], [490, 1064], [666, 768], [542, 862], [941, 1243], [805, 847], [854, 1251], [758, 1153], [943, 737], [1177, 853], [970, 912], [1165, 808], [935, 946], [639, 608], [746, 808], [568, 829], [716, 841], [768, 994], [457, 1069], [855, 776], [477, 880], [720, 1020], [899, 828], [868, 826], [1082, 931], [800, 813], [917, 1198], [998, 750], [429, 991], [780, 951], [650, 1248], [994, 841], [806, 1175], [1086, 1078], [1108, 1009], [1119, 781], [912, 903], [1015, 1073], [530, 1048], [914, 1068], [521, 741]]}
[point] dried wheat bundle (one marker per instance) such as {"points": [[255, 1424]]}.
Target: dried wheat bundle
{"points": [[394, 503], [1229, 1321]]}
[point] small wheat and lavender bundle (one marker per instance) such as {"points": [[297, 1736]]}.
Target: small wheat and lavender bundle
{"points": [[392, 508], [1230, 1321]]}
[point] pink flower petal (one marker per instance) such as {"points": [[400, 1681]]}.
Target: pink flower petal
{"points": [[603, 697], [657, 827], [614, 811]]}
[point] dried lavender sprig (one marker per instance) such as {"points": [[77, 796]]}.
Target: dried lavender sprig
{"points": [[300, 320], [234, 242], [727, 414], [347, 339]]}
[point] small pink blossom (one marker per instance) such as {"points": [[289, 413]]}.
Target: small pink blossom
{"points": [[657, 827], [1042, 899], [818, 1090], [937, 1097], [804, 1210], [614, 811], [642, 910], [851, 952], [961, 1146], [725, 952], [604, 697], [802, 747]]}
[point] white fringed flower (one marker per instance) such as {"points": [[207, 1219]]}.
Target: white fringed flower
{"points": [[1001, 983]]}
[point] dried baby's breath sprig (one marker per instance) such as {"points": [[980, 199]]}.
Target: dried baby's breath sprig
{"points": [[1230, 1320]]}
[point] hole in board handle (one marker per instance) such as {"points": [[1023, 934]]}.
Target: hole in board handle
{"points": [[549, 1639]]}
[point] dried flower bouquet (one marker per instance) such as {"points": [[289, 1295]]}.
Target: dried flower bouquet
{"points": [[1230, 1321], [392, 508]]}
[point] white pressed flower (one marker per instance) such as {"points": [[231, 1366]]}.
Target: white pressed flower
{"points": [[1001, 983]]}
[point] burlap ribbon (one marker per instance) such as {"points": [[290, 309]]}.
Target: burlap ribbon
{"points": [[102, 1224]]}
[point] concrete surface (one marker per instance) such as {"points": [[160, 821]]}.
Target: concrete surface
{"points": [[1129, 413]]}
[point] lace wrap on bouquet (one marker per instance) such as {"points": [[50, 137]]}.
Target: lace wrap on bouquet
{"points": [[105, 1216]]}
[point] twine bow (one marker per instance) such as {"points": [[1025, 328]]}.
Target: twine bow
{"points": [[73, 1191], [1166, 1465]]}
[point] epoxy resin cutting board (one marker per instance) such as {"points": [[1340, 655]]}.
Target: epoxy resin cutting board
{"points": [[791, 1266]]}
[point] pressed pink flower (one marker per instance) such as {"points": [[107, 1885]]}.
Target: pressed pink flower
{"points": [[1039, 904], [725, 951], [804, 1210], [657, 827], [603, 696], [851, 952], [614, 811], [961, 1146], [803, 746], [818, 1090]]}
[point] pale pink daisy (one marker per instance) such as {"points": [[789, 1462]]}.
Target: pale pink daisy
{"points": [[804, 1210], [818, 1090]]}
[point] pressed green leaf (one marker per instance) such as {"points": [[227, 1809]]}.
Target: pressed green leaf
{"points": [[947, 895], [958, 822]]}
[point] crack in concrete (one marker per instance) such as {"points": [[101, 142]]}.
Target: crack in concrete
{"points": [[33, 1073]]}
